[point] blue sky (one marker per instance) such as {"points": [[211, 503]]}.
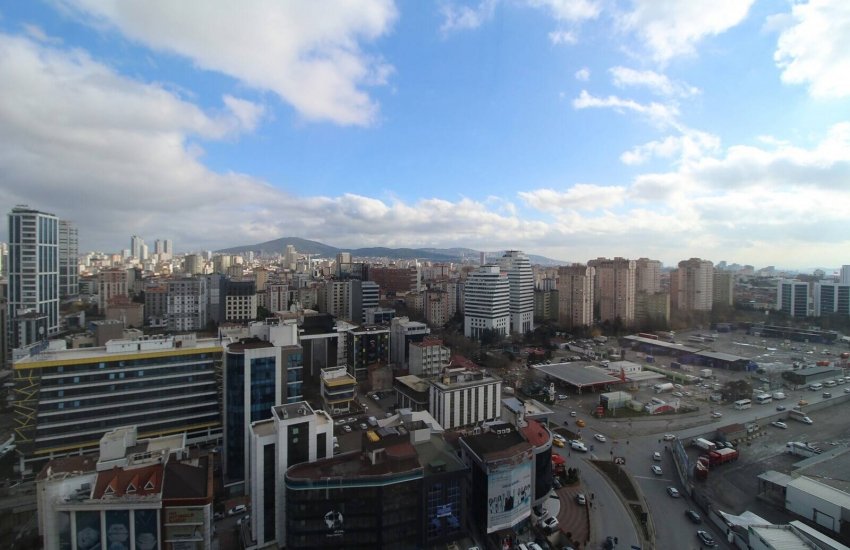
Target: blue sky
{"points": [[568, 128]]}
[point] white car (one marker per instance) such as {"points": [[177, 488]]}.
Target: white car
{"points": [[572, 413], [716, 414], [678, 394], [656, 469], [346, 429], [600, 437], [669, 437], [562, 396], [559, 437], [578, 446], [656, 456], [779, 424]]}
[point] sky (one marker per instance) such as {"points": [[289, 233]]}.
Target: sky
{"points": [[573, 129]]}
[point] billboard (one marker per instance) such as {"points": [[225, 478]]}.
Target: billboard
{"points": [[509, 492]]}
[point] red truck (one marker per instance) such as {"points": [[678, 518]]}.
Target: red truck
{"points": [[722, 456]]}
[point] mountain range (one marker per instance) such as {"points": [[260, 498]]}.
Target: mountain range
{"points": [[305, 246]]}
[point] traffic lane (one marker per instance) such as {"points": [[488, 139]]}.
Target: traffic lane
{"points": [[607, 511]]}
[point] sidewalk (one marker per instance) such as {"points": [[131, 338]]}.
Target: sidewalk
{"points": [[573, 518]]}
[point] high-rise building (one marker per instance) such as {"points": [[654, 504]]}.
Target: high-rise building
{"points": [[136, 247], [367, 346], [186, 304], [695, 285], [33, 270], [614, 289], [521, 281], [647, 276], [193, 264], [575, 296], [723, 288], [111, 283], [793, 298], [844, 275], [486, 303], [290, 258], [832, 298], [428, 357], [69, 250]]}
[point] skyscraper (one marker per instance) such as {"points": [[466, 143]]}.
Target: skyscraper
{"points": [[696, 285], [521, 282], [614, 289], [575, 296], [486, 303], [136, 244], [69, 250], [33, 271]]}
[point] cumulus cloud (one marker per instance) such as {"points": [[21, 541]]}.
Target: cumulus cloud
{"points": [[308, 53], [815, 48], [692, 145], [563, 37], [655, 82], [569, 10], [670, 28], [583, 74], [462, 18], [581, 196], [659, 113]]}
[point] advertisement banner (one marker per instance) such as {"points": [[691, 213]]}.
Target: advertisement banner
{"points": [[509, 493]]}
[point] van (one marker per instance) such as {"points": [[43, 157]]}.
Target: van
{"points": [[829, 383], [816, 387]]}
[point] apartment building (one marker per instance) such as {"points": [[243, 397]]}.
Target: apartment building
{"points": [[575, 295], [695, 285], [614, 289]]}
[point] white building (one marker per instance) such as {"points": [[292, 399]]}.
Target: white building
{"points": [[793, 298], [831, 298], [428, 357], [521, 282], [462, 397], [403, 332], [294, 434], [487, 302]]}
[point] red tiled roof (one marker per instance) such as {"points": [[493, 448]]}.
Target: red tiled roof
{"points": [[140, 482]]}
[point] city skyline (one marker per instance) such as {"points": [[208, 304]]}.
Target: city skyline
{"points": [[572, 130]]}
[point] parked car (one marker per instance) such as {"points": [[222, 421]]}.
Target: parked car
{"points": [[238, 509], [656, 456], [673, 492], [706, 538], [562, 396], [693, 516], [363, 426], [346, 429], [656, 469], [244, 519], [581, 500], [716, 414]]}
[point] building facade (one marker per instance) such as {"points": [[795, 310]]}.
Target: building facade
{"points": [[695, 285], [614, 289], [69, 251], [521, 282], [832, 299], [575, 295], [428, 357], [793, 298], [462, 397], [486, 303]]}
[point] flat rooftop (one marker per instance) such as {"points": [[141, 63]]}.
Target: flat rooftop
{"points": [[81, 354], [492, 446], [413, 382], [579, 375]]}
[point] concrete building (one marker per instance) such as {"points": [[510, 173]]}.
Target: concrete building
{"points": [[393, 280], [546, 304], [647, 276], [521, 282], [111, 283], [652, 309], [428, 357], [33, 269], [294, 434], [412, 392], [136, 494], [614, 289], [403, 332], [575, 295], [832, 298], [723, 288], [463, 397], [695, 286], [486, 303], [436, 307], [162, 385], [137, 248], [793, 298], [69, 251], [339, 389], [156, 305], [367, 345], [193, 264], [186, 304], [240, 301]]}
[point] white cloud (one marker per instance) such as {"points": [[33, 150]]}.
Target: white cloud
{"points": [[659, 113], [691, 146], [569, 10], [308, 53], [583, 74], [815, 50], [563, 37], [655, 82], [463, 18], [672, 28], [581, 196]]}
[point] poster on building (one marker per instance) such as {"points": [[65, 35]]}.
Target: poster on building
{"points": [[118, 530], [508, 494], [88, 530], [147, 532]]}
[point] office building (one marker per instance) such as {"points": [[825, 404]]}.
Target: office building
{"points": [[136, 493], [33, 270], [67, 399], [69, 251], [290, 258], [406, 489], [575, 296], [367, 346], [428, 357], [436, 307], [832, 299], [695, 285], [111, 283], [463, 397], [486, 303], [163, 248], [403, 332], [793, 298], [614, 290], [412, 392], [844, 275], [546, 305], [138, 248], [156, 305], [521, 282], [395, 281]]}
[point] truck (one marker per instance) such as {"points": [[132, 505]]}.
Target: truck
{"points": [[704, 444], [778, 395], [722, 456], [661, 388], [799, 416], [798, 448], [706, 373]]}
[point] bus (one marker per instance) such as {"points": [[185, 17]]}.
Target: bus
{"points": [[742, 404], [764, 398]]}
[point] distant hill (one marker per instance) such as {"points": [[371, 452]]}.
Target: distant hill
{"points": [[304, 246]]}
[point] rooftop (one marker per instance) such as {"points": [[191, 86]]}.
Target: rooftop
{"points": [[293, 410], [536, 434], [780, 537], [492, 445], [579, 375], [413, 382], [80, 355]]}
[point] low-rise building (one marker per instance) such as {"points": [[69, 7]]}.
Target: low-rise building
{"points": [[464, 396]]}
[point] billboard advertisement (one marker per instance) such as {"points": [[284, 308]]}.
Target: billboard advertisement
{"points": [[509, 492]]}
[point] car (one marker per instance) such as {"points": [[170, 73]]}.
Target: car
{"points": [[578, 446], [388, 415], [716, 414], [677, 394], [364, 426], [780, 407], [693, 516], [559, 437], [706, 538], [346, 429], [581, 500], [562, 396], [365, 407], [549, 523], [350, 420], [218, 515], [572, 413], [244, 519], [673, 492], [600, 437], [375, 397], [580, 423], [779, 424], [533, 546], [558, 443], [802, 402], [846, 390], [656, 456], [238, 509], [555, 483], [669, 437], [339, 422], [656, 469], [826, 395]]}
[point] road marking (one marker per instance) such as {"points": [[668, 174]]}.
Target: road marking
{"points": [[656, 478]]}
